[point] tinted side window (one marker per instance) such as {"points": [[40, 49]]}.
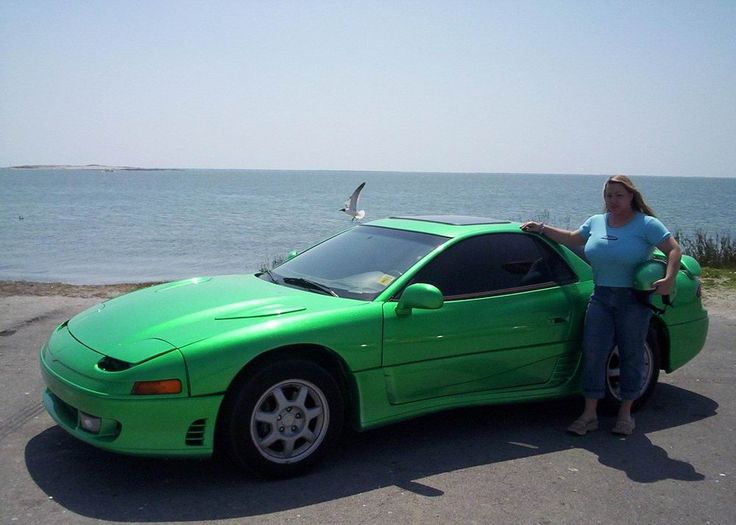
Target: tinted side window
{"points": [[559, 271], [495, 263]]}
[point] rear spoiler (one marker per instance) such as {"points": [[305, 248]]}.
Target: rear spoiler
{"points": [[688, 264]]}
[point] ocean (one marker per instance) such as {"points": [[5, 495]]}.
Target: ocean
{"points": [[97, 227]]}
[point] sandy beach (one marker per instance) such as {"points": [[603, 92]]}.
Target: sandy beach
{"points": [[103, 291], [720, 301]]}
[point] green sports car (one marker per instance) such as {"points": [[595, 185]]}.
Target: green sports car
{"points": [[388, 320]]}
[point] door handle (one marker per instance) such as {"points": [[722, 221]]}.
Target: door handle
{"points": [[557, 320]]}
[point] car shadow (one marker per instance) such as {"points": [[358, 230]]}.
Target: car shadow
{"points": [[107, 486]]}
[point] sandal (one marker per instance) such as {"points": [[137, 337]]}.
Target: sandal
{"points": [[582, 426], [624, 427]]}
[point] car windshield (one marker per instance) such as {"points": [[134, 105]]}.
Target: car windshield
{"points": [[358, 264]]}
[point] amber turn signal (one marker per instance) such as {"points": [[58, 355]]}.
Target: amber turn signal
{"points": [[165, 386]]}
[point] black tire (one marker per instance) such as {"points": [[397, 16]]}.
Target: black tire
{"points": [[282, 419], [649, 381]]}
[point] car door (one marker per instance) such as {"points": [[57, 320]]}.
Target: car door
{"points": [[507, 323]]}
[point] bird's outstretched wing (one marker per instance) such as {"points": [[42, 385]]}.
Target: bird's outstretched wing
{"points": [[352, 203]]}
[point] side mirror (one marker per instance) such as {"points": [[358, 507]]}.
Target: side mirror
{"points": [[291, 255], [419, 295]]}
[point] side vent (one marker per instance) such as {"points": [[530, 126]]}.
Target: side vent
{"points": [[564, 369], [195, 434]]}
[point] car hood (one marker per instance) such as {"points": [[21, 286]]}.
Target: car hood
{"points": [[141, 325]]}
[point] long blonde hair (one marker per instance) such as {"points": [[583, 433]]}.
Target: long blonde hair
{"points": [[637, 203]]}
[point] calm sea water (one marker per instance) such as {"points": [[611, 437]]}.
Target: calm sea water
{"points": [[88, 227]]}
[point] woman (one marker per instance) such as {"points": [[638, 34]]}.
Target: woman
{"points": [[616, 242]]}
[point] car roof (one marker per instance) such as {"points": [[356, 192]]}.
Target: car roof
{"points": [[447, 225]]}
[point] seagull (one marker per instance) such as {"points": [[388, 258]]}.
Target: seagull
{"points": [[351, 205]]}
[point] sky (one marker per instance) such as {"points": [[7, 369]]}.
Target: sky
{"points": [[589, 87]]}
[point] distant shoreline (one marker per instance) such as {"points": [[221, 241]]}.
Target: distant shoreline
{"points": [[90, 167], [355, 171]]}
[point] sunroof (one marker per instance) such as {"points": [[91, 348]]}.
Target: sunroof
{"points": [[454, 220]]}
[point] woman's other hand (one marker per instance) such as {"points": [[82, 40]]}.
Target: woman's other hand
{"points": [[663, 286], [532, 226]]}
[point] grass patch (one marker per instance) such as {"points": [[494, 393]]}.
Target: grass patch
{"points": [[719, 277]]}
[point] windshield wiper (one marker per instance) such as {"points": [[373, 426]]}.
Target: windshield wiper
{"points": [[270, 275], [306, 283]]}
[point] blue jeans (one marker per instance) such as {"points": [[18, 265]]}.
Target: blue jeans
{"points": [[614, 317]]}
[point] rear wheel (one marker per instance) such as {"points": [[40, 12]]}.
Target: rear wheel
{"points": [[650, 375], [284, 418]]}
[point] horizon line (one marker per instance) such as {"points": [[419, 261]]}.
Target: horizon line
{"points": [[103, 167]]}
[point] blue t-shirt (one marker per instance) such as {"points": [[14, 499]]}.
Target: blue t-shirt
{"points": [[614, 253]]}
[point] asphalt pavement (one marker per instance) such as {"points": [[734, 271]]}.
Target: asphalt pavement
{"points": [[496, 464]]}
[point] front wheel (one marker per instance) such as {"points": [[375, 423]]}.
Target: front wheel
{"points": [[650, 375], [284, 418]]}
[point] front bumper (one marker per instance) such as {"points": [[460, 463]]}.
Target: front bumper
{"points": [[158, 425]]}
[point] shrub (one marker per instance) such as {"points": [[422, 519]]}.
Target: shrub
{"points": [[271, 263], [717, 251]]}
